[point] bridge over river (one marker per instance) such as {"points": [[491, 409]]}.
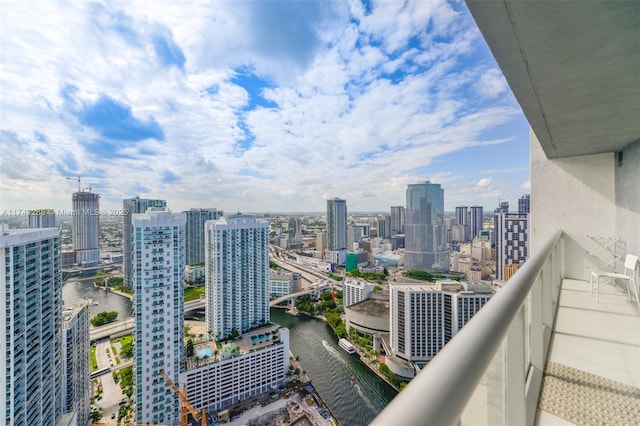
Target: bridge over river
{"points": [[124, 327]]}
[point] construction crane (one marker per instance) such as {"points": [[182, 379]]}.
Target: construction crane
{"points": [[186, 405], [79, 179]]}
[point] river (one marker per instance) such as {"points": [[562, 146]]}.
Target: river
{"points": [[330, 369], [75, 289]]}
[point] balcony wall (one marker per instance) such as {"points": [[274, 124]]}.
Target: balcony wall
{"points": [[628, 197], [585, 195]]}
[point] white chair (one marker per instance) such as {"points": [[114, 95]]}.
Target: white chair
{"points": [[630, 268]]}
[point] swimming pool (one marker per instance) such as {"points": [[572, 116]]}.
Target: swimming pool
{"points": [[205, 352], [260, 338]]}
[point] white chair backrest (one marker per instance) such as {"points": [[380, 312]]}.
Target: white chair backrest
{"points": [[630, 263]]}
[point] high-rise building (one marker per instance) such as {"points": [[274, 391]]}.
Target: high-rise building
{"points": [[237, 274], [425, 236], [43, 218], [196, 218], [397, 220], [384, 226], [475, 221], [86, 228], [336, 224], [512, 240], [158, 268], [524, 204], [295, 229], [30, 359], [462, 216], [502, 208], [424, 317], [76, 371], [321, 243], [131, 206]]}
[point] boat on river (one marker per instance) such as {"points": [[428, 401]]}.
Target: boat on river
{"points": [[347, 346]]}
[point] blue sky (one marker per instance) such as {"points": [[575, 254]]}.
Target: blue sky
{"points": [[254, 105]]}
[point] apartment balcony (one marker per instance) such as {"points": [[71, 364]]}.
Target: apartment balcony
{"points": [[542, 351]]}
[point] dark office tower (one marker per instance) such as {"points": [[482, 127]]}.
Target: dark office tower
{"points": [[425, 236], [512, 241], [133, 206], [86, 228], [196, 219], [475, 221], [43, 218], [461, 215], [524, 204], [397, 220]]}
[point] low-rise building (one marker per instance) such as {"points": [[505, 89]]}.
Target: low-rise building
{"points": [[355, 291], [280, 283], [222, 374]]}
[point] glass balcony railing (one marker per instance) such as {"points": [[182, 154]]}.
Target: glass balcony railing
{"points": [[491, 371]]}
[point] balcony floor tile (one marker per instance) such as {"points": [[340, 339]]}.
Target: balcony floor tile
{"points": [[601, 339]]}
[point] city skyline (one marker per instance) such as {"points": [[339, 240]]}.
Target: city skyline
{"points": [[283, 119]]}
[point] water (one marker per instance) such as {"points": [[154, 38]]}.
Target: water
{"points": [[330, 369], [73, 290]]}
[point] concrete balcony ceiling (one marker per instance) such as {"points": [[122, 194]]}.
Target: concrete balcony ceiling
{"points": [[573, 66]]}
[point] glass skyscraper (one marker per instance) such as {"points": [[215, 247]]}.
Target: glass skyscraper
{"points": [[196, 219], [336, 224], [425, 236]]}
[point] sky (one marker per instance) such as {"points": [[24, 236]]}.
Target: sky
{"points": [[254, 106]]}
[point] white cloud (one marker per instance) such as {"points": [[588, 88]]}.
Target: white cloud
{"points": [[363, 104]]}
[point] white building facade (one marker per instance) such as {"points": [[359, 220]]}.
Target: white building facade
{"points": [[219, 384], [355, 291], [237, 274], [280, 283], [424, 317], [131, 206], [30, 359], [158, 275], [43, 218]]}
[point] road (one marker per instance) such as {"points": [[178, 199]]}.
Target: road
{"points": [[111, 393]]}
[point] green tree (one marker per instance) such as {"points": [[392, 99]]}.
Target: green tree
{"points": [[127, 349], [189, 349], [104, 318]]}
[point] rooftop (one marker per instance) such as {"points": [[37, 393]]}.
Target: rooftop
{"points": [[378, 308]]}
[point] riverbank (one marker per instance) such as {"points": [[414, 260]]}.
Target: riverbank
{"points": [[365, 360], [114, 291]]}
